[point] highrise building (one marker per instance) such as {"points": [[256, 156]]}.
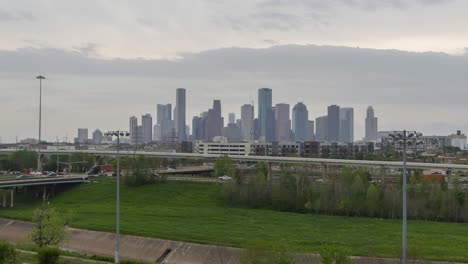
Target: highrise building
{"points": [[232, 118], [147, 126], [283, 122], [214, 123], [371, 125], [157, 132], [164, 120], [321, 128], [247, 122], [347, 125], [266, 117], [333, 127], [97, 137], [132, 129], [82, 135], [300, 118], [310, 130], [139, 135], [179, 117]]}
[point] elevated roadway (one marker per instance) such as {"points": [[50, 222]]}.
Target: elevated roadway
{"points": [[269, 159]]}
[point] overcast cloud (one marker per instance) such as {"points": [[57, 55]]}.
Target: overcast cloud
{"points": [[107, 60]]}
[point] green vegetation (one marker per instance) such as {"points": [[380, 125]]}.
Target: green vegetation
{"points": [[49, 229], [7, 253], [353, 193], [48, 255], [194, 212]]}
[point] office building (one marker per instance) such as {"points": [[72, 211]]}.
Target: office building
{"points": [[321, 128], [214, 123], [247, 122], [133, 124], [283, 122], [139, 135], [179, 117], [82, 135], [310, 131], [300, 118], [157, 132], [97, 137], [333, 120], [147, 126], [232, 118], [347, 125], [266, 126], [371, 125], [164, 120]]}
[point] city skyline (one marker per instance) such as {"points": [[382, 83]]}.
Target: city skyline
{"points": [[97, 78]]}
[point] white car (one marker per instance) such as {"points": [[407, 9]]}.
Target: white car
{"points": [[224, 178]]}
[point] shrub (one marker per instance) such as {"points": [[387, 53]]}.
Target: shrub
{"points": [[48, 255], [7, 253]]}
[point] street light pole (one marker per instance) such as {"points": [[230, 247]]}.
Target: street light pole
{"points": [[405, 137], [39, 167], [117, 134], [405, 220]]}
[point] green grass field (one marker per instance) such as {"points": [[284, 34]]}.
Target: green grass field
{"points": [[193, 212]]}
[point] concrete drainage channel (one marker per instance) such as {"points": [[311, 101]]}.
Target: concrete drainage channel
{"points": [[164, 256]]}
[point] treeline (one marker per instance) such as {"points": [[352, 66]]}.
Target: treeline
{"points": [[351, 194]]}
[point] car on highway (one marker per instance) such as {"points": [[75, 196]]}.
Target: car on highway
{"points": [[19, 176], [225, 178], [15, 173], [36, 173], [51, 174]]}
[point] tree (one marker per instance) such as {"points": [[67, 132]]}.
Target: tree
{"points": [[50, 227], [225, 166], [373, 200]]}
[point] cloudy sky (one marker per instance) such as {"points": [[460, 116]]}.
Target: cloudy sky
{"points": [[107, 60]]}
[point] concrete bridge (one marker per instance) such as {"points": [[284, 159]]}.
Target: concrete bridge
{"points": [[47, 183]]}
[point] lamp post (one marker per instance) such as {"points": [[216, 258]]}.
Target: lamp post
{"points": [[117, 134], [406, 138], [39, 167]]}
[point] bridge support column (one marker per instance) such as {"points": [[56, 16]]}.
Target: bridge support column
{"points": [[12, 196], [4, 198], [269, 171], [382, 174], [324, 171], [44, 194]]}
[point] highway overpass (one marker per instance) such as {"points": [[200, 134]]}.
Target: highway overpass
{"points": [[269, 159], [12, 184]]}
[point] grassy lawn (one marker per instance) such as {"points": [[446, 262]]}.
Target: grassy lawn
{"points": [[192, 212]]}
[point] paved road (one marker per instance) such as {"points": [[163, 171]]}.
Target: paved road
{"points": [[192, 179]]}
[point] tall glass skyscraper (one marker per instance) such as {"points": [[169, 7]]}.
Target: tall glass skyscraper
{"points": [[179, 118], [283, 122], [347, 125], [333, 120], [266, 117], [300, 119], [371, 125]]}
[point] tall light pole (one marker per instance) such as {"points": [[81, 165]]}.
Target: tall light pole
{"points": [[39, 167], [117, 134], [406, 138]]}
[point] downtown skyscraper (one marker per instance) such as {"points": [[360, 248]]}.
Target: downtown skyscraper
{"points": [[283, 122], [247, 122], [165, 122], [321, 128], [215, 122], [333, 121], [179, 116], [266, 118], [132, 129], [347, 125], [300, 119], [371, 125], [147, 126]]}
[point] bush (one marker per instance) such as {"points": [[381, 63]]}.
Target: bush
{"points": [[48, 255], [7, 253]]}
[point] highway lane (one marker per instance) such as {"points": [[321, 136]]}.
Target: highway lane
{"points": [[332, 162]]}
